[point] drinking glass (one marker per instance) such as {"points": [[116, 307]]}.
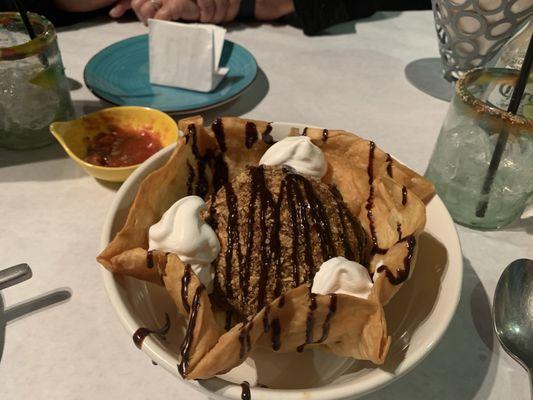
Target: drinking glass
{"points": [[460, 162], [33, 88], [470, 32]]}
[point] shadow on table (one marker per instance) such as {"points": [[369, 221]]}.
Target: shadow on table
{"points": [[29, 307], [112, 186], [10, 158], [460, 367], [242, 105], [53, 151], [425, 74], [73, 84], [82, 107], [520, 225]]}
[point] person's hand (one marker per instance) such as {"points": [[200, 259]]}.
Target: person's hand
{"points": [[120, 8], [170, 10], [218, 11], [267, 10]]}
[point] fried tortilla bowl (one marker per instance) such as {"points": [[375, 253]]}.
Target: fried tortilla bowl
{"points": [[387, 198]]}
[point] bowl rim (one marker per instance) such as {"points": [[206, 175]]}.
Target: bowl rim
{"points": [[84, 163], [337, 391]]}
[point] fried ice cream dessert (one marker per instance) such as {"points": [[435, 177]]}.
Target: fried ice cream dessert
{"points": [[276, 228], [286, 245]]}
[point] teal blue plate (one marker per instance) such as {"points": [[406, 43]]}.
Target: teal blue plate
{"points": [[119, 75]]}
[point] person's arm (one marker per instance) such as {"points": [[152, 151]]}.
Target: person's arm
{"points": [[316, 15], [267, 10], [82, 5]]}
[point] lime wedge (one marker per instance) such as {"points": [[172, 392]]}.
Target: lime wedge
{"points": [[47, 78], [527, 111]]}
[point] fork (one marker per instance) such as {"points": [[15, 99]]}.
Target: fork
{"points": [[13, 275]]}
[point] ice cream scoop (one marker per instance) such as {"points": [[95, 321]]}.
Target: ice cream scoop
{"points": [[182, 231], [299, 153]]}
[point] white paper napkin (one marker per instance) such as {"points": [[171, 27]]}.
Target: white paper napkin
{"points": [[186, 55]]}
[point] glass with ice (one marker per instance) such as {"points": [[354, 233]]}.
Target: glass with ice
{"points": [[466, 143], [33, 87]]}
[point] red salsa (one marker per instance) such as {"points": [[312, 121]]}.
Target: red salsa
{"points": [[121, 148]]}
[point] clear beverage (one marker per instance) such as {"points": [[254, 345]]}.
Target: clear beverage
{"points": [[465, 146], [33, 88], [513, 52]]}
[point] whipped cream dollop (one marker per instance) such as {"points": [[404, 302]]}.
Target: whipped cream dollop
{"points": [[339, 275], [182, 231], [299, 153]]}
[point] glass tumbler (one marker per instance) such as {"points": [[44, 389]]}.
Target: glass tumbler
{"points": [[460, 162], [33, 88], [470, 32]]}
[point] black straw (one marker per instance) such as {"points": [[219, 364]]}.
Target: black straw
{"points": [[518, 92], [24, 15]]}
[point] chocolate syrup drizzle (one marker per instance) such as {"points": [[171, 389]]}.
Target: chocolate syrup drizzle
{"points": [[185, 280], [266, 134], [320, 219], [140, 334], [190, 179], [183, 366], [267, 137], [215, 162], [276, 243], [304, 132], [227, 326], [348, 252], [370, 202], [301, 231], [244, 338], [357, 229], [220, 172], [246, 394], [389, 165], [218, 129], [281, 301], [310, 321], [293, 216], [404, 195], [251, 134], [201, 185], [233, 238], [276, 334], [307, 214], [332, 309], [266, 322], [325, 135], [399, 230], [244, 273], [266, 201], [401, 274], [150, 259]]}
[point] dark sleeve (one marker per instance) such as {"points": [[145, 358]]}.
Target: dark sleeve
{"points": [[316, 15]]}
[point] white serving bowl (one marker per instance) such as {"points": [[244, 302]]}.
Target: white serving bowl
{"points": [[417, 316]]}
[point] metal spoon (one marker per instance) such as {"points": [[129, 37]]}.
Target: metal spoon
{"points": [[13, 275], [512, 313]]}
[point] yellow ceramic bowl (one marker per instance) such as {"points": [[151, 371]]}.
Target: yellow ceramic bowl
{"points": [[73, 135]]}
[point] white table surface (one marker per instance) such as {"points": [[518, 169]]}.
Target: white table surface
{"points": [[52, 213]]}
